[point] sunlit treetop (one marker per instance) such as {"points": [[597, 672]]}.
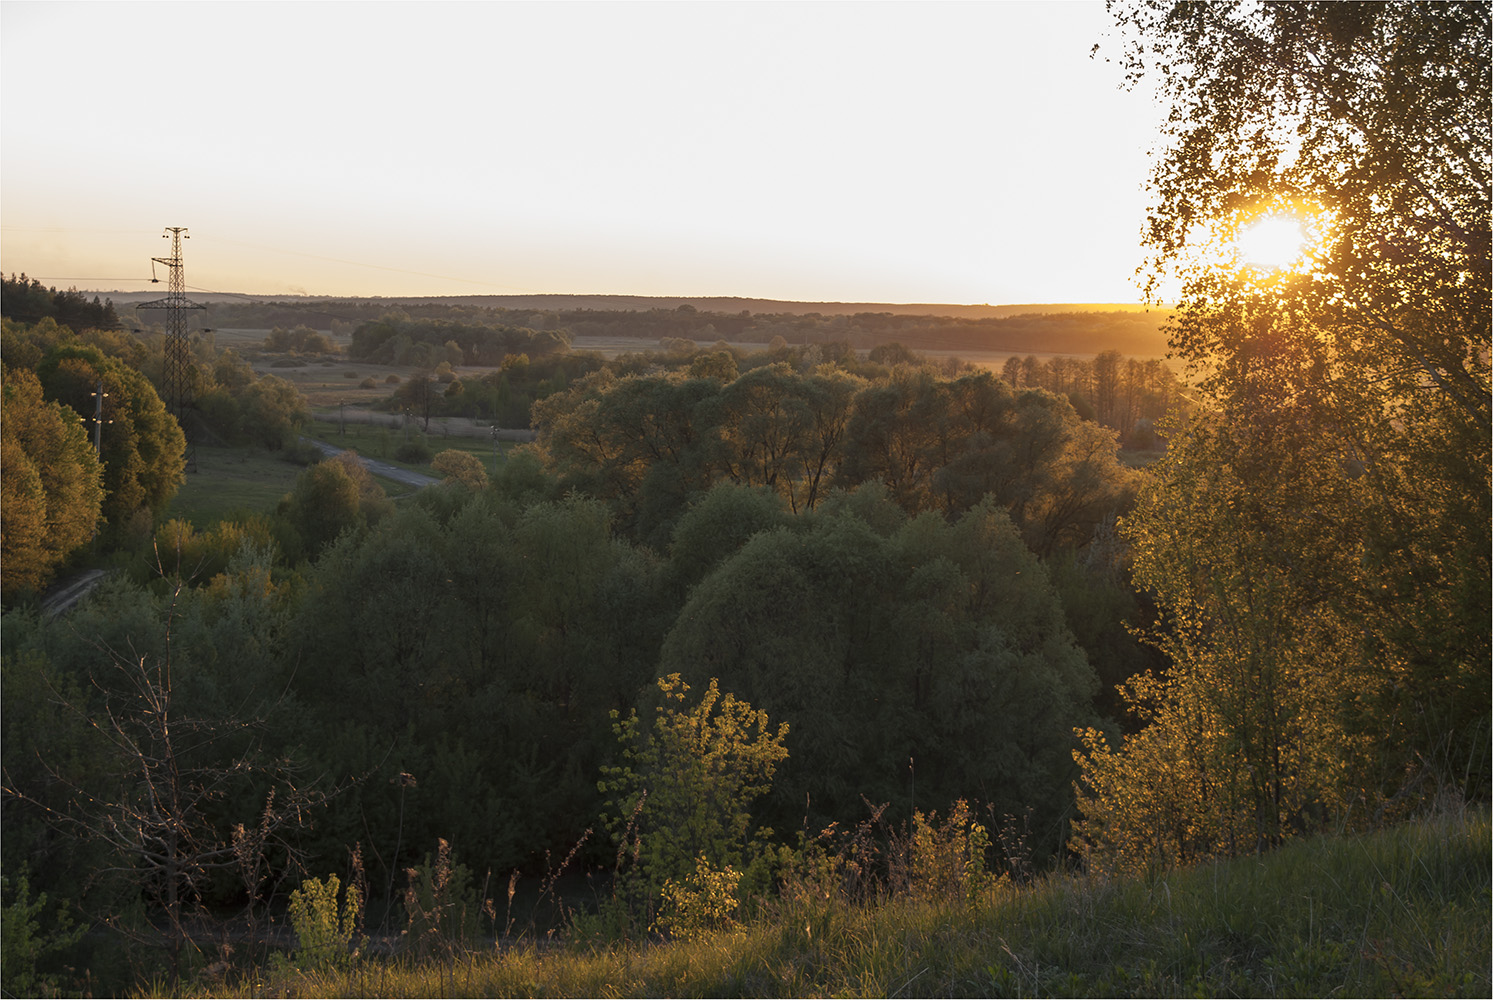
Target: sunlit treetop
{"points": [[1378, 113]]}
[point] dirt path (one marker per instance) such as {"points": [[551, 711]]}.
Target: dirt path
{"points": [[405, 477]]}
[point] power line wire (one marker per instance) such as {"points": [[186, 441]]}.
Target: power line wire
{"points": [[265, 249]]}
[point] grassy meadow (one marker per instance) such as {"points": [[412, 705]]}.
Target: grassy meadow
{"points": [[232, 481], [377, 441], [1400, 912]]}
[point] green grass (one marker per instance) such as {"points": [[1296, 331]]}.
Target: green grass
{"points": [[1400, 912], [379, 442], [232, 481]]}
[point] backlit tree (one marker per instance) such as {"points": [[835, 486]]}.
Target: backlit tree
{"points": [[1349, 394]]}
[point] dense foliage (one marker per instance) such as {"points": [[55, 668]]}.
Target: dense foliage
{"points": [[53, 491], [1319, 535], [648, 444], [29, 301], [141, 450], [449, 668], [398, 340]]}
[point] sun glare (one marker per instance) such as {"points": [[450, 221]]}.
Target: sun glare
{"points": [[1273, 242]]}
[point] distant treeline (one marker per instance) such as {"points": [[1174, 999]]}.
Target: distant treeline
{"points": [[1127, 395], [1136, 333], [27, 300], [398, 339]]}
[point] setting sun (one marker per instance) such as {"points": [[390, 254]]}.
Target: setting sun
{"points": [[1274, 242]]}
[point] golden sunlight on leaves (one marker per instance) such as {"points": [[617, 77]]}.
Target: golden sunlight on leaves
{"points": [[1262, 246]]}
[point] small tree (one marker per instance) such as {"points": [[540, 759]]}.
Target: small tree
{"points": [[682, 794], [325, 928], [460, 467]]}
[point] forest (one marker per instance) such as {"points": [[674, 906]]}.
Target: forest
{"points": [[789, 635], [831, 545]]}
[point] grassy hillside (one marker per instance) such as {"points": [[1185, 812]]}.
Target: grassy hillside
{"points": [[1403, 912]]}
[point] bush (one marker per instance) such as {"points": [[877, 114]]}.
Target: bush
{"points": [[414, 450], [461, 467], [302, 453], [701, 903], [948, 862], [24, 943], [324, 931], [682, 795]]}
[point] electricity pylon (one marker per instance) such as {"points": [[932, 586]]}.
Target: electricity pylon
{"points": [[178, 351]]}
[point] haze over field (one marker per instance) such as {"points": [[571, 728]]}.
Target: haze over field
{"points": [[965, 153]]}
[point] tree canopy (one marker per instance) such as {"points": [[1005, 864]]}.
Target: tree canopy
{"points": [[142, 444], [885, 641], [50, 480], [1319, 535], [652, 444], [1373, 116]]}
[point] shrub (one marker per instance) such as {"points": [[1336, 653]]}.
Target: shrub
{"points": [[460, 467], [701, 903], [948, 862], [23, 943], [324, 931], [302, 453], [685, 788], [414, 450]]}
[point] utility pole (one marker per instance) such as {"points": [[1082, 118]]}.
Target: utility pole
{"points": [[178, 351], [98, 421]]}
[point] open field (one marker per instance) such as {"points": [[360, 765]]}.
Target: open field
{"points": [[377, 441], [234, 482], [230, 482]]}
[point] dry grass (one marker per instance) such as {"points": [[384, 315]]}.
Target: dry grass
{"points": [[1401, 912]]}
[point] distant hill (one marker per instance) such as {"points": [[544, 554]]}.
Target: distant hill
{"points": [[645, 303]]}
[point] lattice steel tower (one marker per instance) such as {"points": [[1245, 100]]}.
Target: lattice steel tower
{"points": [[178, 350]]}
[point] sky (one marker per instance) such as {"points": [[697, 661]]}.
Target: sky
{"points": [[835, 152]]}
